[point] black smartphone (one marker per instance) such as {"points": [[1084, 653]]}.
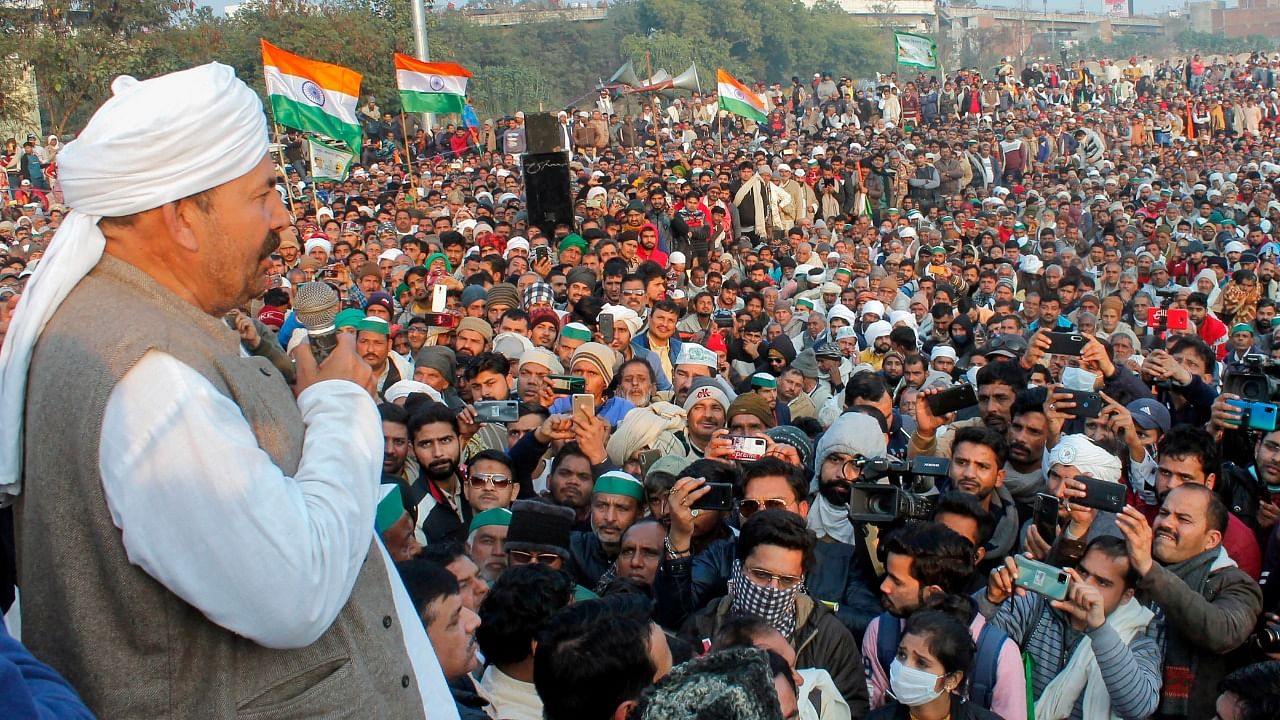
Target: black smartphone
{"points": [[606, 327], [1088, 404], [1066, 343], [541, 252], [951, 400], [1045, 516], [1101, 495], [566, 384], [720, 498]]}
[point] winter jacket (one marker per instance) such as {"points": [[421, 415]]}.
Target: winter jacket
{"points": [[820, 641]]}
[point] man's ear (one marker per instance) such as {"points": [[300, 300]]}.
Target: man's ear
{"points": [[623, 710]]}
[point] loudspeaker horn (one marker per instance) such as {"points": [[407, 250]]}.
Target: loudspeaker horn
{"points": [[687, 80], [626, 75]]}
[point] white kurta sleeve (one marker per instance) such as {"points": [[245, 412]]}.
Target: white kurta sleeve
{"points": [[207, 513]]}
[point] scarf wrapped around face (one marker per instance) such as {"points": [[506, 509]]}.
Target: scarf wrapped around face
{"points": [[776, 606]]}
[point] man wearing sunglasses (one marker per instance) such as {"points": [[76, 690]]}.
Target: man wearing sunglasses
{"points": [[490, 482]]}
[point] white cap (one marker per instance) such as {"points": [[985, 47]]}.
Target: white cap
{"points": [[677, 258], [943, 351], [873, 307], [1235, 246], [516, 242], [391, 254], [695, 354]]}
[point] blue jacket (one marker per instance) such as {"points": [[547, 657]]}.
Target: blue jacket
{"points": [[640, 343], [31, 689]]}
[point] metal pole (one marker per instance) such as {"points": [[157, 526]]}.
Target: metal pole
{"points": [[419, 15]]}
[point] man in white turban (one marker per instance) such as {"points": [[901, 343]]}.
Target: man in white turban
{"points": [[1076, 455], [196, 542]]}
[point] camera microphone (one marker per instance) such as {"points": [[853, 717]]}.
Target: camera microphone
{"points": [[316, 304]]}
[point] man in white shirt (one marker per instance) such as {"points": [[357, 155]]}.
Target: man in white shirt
{"points": [[222, 559]]}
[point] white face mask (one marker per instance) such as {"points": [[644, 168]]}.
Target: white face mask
{"points": [[913, 687], [1074, 378]]}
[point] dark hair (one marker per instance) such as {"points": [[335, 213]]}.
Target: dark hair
{"points": [[393, 413], [517, 608], [648, 270], [966, 505], [443, 553], [739, 630], [1257, 687], [982, 435], [1198, 346], [716, 472], [939, 555], [429, 414], [614, 267], [864, 386], [915, 359], [515, 313], [591, 658], [495, 456], [903, 336], [1198, 298], [1116, 549], [773, 467], [493, 362], [570, 449], [426, 581], [780, 528], [778, 667], [1030, 400], [1215, 510], [947, 638], [1188, 441], [1003, 373], [666, 306]]}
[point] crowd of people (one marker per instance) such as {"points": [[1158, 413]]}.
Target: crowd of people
{"points": [[636, 465]]}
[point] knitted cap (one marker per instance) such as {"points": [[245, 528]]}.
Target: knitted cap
{"points": [[478, 326], [503, 294], [602, 357], [751, 404], [706, 389]]}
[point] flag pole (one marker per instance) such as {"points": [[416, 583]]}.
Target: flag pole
{"points": [[719, 129], [288, 189], [408, 156]]}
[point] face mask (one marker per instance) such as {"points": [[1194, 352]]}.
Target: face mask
{"points": [[1076, 379], [776, 606], [913, 687]]}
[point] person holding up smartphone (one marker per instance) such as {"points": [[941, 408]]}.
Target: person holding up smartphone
{"points": [[1071, 457]]}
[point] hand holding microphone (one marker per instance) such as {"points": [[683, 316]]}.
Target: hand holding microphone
{"points": [[328, 354]]}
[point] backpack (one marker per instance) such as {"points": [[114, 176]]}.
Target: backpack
{"points": [[982, 674]]}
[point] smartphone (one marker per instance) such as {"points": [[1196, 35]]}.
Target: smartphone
{"points": [[497, 411], [566, 384], [1045, 516], [1256, 415], [1066, 343], [541, 252], [647, 458], [439, 293], [719, 498], [1050, 581], [1088, 404], [747, 448], [952, 399], [584, 405], [1101, 495], [441, 319], [606, 327]]}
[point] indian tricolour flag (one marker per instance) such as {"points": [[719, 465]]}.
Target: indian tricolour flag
{"points": [[313, 96], [432, 87], [737, 99]]}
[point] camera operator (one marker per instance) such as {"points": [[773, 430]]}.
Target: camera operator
{"points": [[1183, 376], [1249, 489]]}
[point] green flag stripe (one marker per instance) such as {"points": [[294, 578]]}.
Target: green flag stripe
{"points": [[307, 117], [412, 101], [737, 107]]}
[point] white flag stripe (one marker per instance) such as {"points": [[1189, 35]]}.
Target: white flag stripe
{"points": [[427, 83], [339, 105]]}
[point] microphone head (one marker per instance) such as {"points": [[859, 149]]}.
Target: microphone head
{"points": [[316, 305]]}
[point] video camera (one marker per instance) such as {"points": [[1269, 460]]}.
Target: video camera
{"points": [[1255, 379], [903, 497]]}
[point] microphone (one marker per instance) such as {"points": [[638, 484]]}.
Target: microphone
{"points": [[316, 305]]}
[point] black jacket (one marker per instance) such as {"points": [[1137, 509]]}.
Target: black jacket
{"points": [[842, 576], [820, 641], [589, 559], [960, 710]]}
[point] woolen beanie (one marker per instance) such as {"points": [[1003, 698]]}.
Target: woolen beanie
{"points": [[503, 294], [603, 357]]}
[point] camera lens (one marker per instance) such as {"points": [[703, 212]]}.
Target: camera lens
{"points": [[1268, 639]]}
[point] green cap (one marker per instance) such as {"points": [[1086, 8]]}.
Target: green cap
{"points": [[389, 510], [372, 323], [572, 240], [1242, 327], [764, 380], [492, 516], [804, 302], [669, 464], [576, 331], [616, 482], [844, 271], [438, 256], [349, 318]]}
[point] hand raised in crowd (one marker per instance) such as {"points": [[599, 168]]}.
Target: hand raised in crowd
{"points": [[680, 499], [1037, 347], [592, 433], [1268, 513], [1160, 365], [1035, 545], [1057, 401], [927, 423], [1000, 582], [782, 451], [1137, 538], [1081, 517], [343, 363], [468, 424], [1094, 359], [247, 330], [1120, 422], [1084, 603], [556, 428], [1223, 415], [542, 266], [719, 447]]}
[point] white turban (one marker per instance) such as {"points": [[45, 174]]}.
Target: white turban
{"points": [[1079, 452], [405, 388], [153, 142], [625, 316], [653, 427], [318, 242]]}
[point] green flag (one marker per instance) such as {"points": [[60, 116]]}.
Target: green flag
{"points": [[916, 50]]}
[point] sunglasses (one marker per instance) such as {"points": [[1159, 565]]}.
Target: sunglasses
{"points": [[750, 506], [520, 557], [480, 480]]}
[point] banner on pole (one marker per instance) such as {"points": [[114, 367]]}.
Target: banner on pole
{"points": [[328, 162], [916, 50]]}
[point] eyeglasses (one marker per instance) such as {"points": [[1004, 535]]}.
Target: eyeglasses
{"points": [[496, 480], [520, 557], [633, 292], [750, 506], [765, 578]]}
